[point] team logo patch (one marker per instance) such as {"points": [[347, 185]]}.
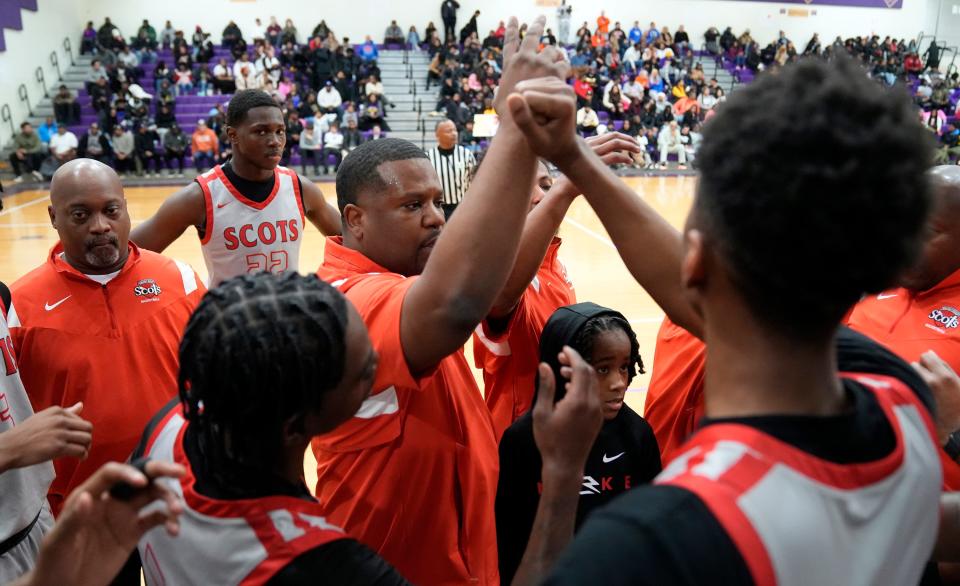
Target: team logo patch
{"points": [[946, 316], [147, 290]]}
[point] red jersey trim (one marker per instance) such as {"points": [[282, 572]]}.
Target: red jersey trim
{"points": [[241, 198], [203, 181], [720, 499], [296, 191]]}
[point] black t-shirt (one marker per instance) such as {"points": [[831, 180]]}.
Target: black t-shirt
{"points": [[625, 455], [667, 535]]}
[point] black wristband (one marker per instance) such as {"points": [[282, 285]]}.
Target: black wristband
{"points": [[952, 447]]}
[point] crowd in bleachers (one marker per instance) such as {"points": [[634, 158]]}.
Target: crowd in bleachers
{"points": [[646, 82]]}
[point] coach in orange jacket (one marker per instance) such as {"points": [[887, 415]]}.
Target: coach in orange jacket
{"points": [[100, 321]]}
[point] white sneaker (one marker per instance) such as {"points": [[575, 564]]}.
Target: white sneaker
{"points": [[37, 175], [18, 179], [179, 174]]}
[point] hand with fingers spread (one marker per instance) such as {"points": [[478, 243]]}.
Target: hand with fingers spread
{"points": [[945, 384], [521, 61], [95, 533], [52, 433], [565, 431], [613, 148]]}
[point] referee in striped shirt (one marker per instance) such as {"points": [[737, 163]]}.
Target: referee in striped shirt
{"points": [[454, 165]]}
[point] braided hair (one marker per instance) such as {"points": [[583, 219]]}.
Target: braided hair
{"points": [[259, 350], [609, 323]]}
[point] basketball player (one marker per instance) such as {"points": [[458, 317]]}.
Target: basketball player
{"points": [[249, 212], [249, 518], [505, 344], [424, 438], [28, 443], [797, 475], [100, 320]]}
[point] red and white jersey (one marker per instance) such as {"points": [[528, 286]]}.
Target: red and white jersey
{"points": [[800, 520], [242, 236], [22, 490], [225, 541]]}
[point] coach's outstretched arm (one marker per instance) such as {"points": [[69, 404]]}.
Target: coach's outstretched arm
{"points": [[651, 248], [474, 255], [544, 221]]}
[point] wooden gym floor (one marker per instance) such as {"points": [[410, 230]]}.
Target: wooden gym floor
{"points": [[591, 259]]}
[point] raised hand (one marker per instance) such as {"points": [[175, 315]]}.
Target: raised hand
{"points": [[544, 109], [565, 431], [52, 433], [521, 61]]}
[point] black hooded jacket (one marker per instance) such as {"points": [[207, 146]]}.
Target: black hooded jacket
{"points": [[625, 454]]}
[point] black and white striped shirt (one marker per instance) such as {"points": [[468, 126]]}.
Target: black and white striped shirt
{"points": [[454, 168]]}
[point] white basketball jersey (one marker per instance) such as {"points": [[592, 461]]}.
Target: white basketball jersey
{"points": [[22, 490], [227, 542], [799, 520], [243, 236]]}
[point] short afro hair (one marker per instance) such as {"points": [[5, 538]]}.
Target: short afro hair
{"points": [[814, 191], [359, 168], [246, 100]]}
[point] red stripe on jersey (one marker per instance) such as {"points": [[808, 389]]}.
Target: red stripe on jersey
{"points": [[204, 181], [248, 202]]}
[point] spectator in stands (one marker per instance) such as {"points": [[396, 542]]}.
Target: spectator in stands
{"points": [[670, 141], [88, 40], [204, 146], [467, 140], [183, 79], [165, 119], [332, 147], [274, 32], [124, 150], [28, 153], [63, 145], [393, 35], [161, 73], [351, 136], [145, 149], [248, 78], [46, 130], [293, 128], [368, 50], [289, 34], [329, 100], [413, 39], [239, 64], [458, 112], [310, 145], [95, 73], [100, 95], [269, 65], [448, 13], [587, 120], [94, 144], [175, 148], [470, 28], [167, 34], [372, 115], [105, 33], [231, 34]]}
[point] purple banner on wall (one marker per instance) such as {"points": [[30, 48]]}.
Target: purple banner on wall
{"points": [[858, 3]]}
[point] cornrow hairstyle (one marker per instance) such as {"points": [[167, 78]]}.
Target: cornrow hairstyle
{"points": [[609, 323], [259, 350], [244, 101]]}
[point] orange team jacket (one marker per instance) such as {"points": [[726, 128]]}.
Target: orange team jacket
{"points": [[413, 474], [509, 359], [112, 346], [675, 396], [603, 24], [910, 323]]}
